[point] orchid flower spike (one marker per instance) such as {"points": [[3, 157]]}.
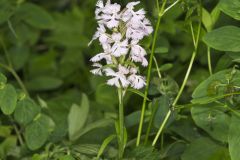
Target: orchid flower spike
{"points": [[119, 32]]}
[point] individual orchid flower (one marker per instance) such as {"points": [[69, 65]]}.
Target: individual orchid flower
{"points": [[118, 77], [97, 70]]}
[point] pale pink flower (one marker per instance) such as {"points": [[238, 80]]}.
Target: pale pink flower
{"points": [[100, 57], [120, 47], [137, 54], [119, 79], [137, 81], [108, 14], [97, 70]]}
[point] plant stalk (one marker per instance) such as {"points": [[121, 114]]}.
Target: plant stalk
{"points": [[121, 123], [149, 72], [195, 42], [15, 75]]}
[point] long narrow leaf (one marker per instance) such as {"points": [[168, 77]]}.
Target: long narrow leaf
{"points": [[105, 144]]}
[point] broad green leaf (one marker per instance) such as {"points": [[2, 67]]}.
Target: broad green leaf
{"points": [[214, 121], [224, 39], [36, 16], [231, 8], [105, 144], [210, 87], [234, 138], [204, 149], [37, 132], [7, 9], [3, 78], [44, 83], [25, 111], [77, 118], [8, 99]]}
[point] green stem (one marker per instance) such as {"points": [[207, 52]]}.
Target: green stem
{"points": [[19, 136], [12, 29], [161, 127], [121, 123], [209, 60], [190, 65], [195, 42], [150, 124], [172, 5], [149, 73], [158, 70], [10, 68], [6, 53], [15, 75], [155, 109]]}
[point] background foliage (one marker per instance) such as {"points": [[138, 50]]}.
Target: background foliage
{"points": [[53, 108]]}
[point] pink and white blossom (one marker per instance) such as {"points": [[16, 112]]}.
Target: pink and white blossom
{"points": [[137, 81], [119, 32]]}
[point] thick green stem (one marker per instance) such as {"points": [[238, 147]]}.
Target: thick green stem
{"points": [[149, 73], [121, 123], [209, 60]]}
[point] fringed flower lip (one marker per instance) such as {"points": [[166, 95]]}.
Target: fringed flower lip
{"points": [[119, 32]]}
